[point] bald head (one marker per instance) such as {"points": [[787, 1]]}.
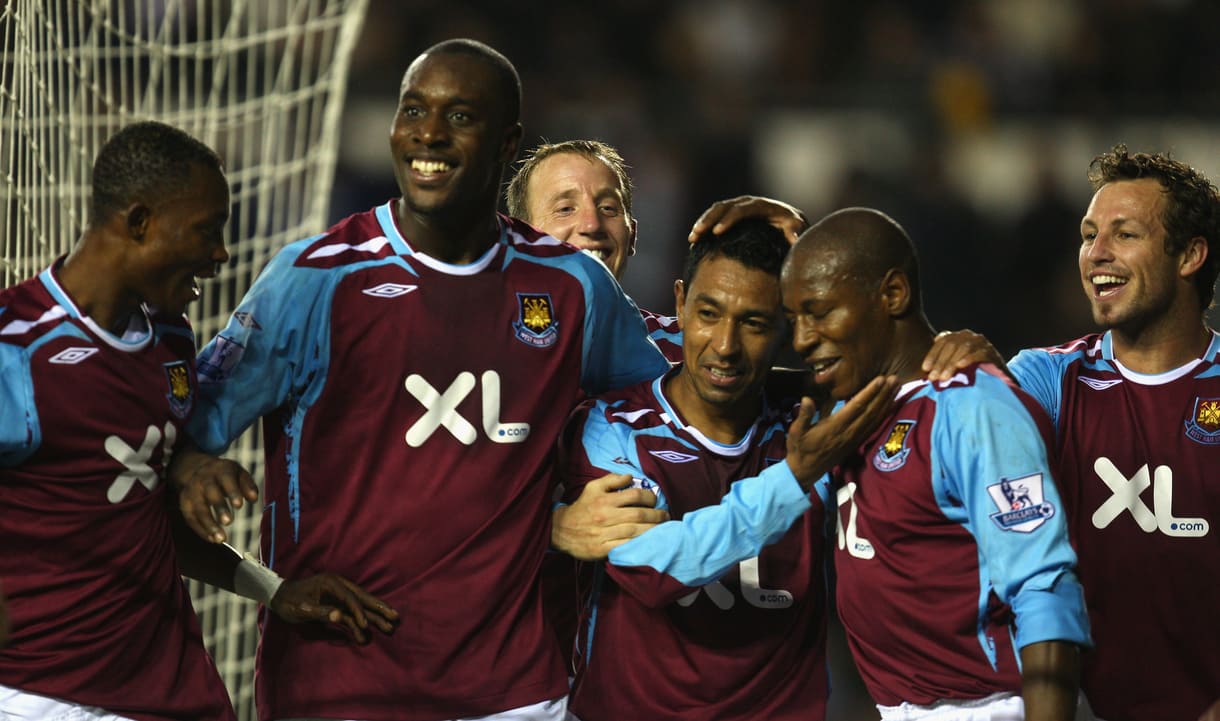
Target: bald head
{"points": [[849, 288], [862, 244]]}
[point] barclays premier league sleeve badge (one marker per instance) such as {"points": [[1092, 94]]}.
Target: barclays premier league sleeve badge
{"points": [[1022, 507]]}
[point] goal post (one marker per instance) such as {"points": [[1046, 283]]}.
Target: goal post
{"points": [[260, 81]]}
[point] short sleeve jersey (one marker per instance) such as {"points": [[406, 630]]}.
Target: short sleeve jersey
{"points": [[99, 613], [949, 525], [410, 414], [1139, 456], [696, 619]]}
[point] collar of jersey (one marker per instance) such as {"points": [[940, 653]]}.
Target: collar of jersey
{"points": [[1156, 379], [139, 329], [385, 216], [674, 418]]}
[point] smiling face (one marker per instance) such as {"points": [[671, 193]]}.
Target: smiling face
{"points": [[451, 135], [181, 238], [840, 325], [579, 200], [732, 326], [1128, 277]]}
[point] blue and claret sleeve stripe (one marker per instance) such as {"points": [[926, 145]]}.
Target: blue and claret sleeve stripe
{"points": [[663, 564]]}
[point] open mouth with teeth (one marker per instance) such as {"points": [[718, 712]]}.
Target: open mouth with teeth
{"points": [[822, 367], [430, 168], [601, 254], [724, 377], [1107, 285]]}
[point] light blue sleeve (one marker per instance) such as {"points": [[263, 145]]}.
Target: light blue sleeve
{"points": [[272, 349], [706, 543], [992, 473], [617, 351], [19, 430], [607, 448], [1040, 374]]}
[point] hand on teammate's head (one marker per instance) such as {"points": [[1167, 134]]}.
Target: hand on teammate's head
{"points": [[724, 213]]}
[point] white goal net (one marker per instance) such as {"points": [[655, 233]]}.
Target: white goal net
{"points": [[261, 81]]}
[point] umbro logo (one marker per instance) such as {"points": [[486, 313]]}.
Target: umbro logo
{"points": [[71, 356], [1098, 384], [674, 456], [246, 320], [389, 290]]}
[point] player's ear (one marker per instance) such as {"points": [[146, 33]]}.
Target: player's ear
{"points": [[512, 143], [896, 292], [135, 221], [631, 240], [1193, 257], [679, 300]]}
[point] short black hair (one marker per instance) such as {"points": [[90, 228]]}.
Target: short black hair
{"points": [[510, 81], [145, 161], [753, 242]]}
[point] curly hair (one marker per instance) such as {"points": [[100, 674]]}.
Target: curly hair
{"points": [[145, 161], [594, 150], [1192, 210]]}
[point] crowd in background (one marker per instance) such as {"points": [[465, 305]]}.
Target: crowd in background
{"points": [[970, 122]]}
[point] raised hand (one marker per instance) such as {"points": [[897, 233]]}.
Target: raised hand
{"points": [[724, 213], [814, 449]]}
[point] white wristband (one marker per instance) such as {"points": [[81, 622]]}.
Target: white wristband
{"points": [[255, 581]]}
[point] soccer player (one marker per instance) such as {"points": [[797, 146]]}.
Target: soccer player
{"points": [[675, 627], [414, 366], [1137, 414], [954, 571], [579, 191], [96, 382]]}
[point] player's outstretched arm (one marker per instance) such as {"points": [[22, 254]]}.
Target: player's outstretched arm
{"points": [[813, 450], [724, 213], [324, 598], [330, 598], [954, 350], [606, 514], [209, 489], [1050, 680]]}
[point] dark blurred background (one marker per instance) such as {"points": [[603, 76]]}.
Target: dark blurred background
{"points": [[971, 122]]}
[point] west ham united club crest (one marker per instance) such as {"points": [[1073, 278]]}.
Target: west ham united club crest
{"points": [[180, 395], [1022, 507], [535, 325], [893, 453], [1203, 426]]}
